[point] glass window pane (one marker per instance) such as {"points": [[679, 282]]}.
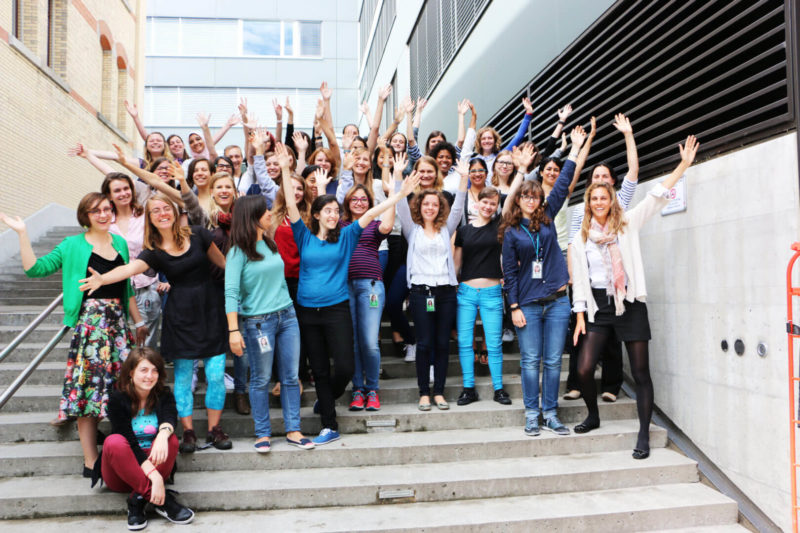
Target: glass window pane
{"points": [[210, 37], [310, 39], [261, 38], [288, 38], [163, 36]]}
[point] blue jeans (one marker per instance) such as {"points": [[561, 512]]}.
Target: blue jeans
{"points": [[240, 365], [490, 302], [366, 327], [542, 338], [283, 333]]}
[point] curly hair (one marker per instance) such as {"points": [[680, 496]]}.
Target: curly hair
{"points": [[416, 208], [347, 214], [513, 218], [615, 223], [438, 181]]}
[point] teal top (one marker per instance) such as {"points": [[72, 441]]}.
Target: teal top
{"points": [[255, 287], [72, 257], [145, 428]]}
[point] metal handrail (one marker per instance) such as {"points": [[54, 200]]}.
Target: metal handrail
{"points": [[25, 374], [32, 326], [793, 333]]}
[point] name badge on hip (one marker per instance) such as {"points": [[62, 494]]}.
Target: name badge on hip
{"points": [[536, 270], [430, 304], [263, 343], [373, 301]]}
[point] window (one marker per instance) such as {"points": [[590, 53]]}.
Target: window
{"points": [[383, 27], [15, 18], [232, 37]]}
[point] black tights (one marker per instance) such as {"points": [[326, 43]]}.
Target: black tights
{"points": [[640, 368]]}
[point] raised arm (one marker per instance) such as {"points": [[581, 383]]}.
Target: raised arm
{"points": [[248, 150], [286, 182], [623, 124], [582, 155], [372, 138], [523, 127], [408, 109], [233, 120], [278, 119], [80, 151], [301, 147], [408, 186], [323, 111], [399, 113], [463, 107], [269, 188], [112, 156], [25, 248], [148, 177], [387, 222], [133, 111], [522, 158], [688, 153], [122, 272]]}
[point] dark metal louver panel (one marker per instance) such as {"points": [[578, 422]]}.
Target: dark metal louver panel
{"points": [[717, 69], [377, 46], [365, 19]]}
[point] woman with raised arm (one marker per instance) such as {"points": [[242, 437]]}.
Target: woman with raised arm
{"points": [[427, 225], [194, 317], [102, 338], [367, 293], [476, 255], [488, 143], [536, 277], [177, 148], [262, 320], [608, 281], [324, 315], [140, 453]]}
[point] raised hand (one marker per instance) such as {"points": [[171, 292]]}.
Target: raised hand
{"points": [[250, 121], [349, 160], [409, 184], [463, 107], [399, 113], [322, 179], [300, 142], [407, 105], [622, 123], [563, 142], [689, 151], [421, 103], [325, 91], [288, 107], [243, 108], [320, 111], [385, 91], [278, 109], [284, 159], [233, 120], [15, 223], [364, 108], [133, 111], [564, 113], [79, 151], [577, 136], [400, 162], [526, 103], [593, 131], [347, 140], [526, 156], [176, 171], [92, 283], [463, 167], [203, 119], [119, 153], [258, 140]]}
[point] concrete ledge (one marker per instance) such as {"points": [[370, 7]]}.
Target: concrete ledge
{"points": [[102, 118], [38, 224], [20, 47]]}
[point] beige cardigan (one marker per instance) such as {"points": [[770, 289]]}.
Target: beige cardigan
{"points": [[653, 202]]}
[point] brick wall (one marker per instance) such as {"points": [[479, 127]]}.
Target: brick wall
{"points": [[46, 110]]}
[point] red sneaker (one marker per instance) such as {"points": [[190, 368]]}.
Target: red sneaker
{"points": [[358, 401], [373, 403]]}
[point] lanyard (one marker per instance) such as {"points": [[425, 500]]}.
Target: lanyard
{"points": [[536, 249]]}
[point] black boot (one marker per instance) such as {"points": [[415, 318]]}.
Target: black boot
{"points": [[467, 396], [137, 519]]}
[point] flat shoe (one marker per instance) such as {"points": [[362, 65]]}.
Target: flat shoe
{"points": [[262, 447], [572, 395], [442, 406], [424, 407], [609, 397], [583, 427], [303, 444], [640, 454]]}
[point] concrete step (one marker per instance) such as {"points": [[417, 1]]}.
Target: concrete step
{"points": [[348, 486], [28, 292], [685, 505], [22, 315], [33, 396], [382, 448], [19, 427], [720, 528], [31, 283], [41, 300], [40, 335]]}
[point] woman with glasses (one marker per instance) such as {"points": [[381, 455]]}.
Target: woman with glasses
{"points": [[536, 277], [102, 338]]}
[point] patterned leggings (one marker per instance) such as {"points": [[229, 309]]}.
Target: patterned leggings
{"points": [[215, 378]]}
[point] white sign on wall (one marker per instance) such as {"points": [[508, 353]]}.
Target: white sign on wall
{"points": [[677, 198]]}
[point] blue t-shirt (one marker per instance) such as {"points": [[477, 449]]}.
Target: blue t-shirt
{"points": [[145, 428], [324, 265]]}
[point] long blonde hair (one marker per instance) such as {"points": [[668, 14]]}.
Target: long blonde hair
{"points": [[615, 223], [279, 211], [215, 210], [152, 237]]}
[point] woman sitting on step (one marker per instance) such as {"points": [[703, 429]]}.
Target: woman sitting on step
{"points": [[608, 281], [141, 450], [102, 338]]}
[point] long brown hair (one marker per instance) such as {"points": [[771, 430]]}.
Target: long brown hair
{"points": [[245, 225], [328, 155], [213, 215], [495, 177], [416, 208], [279, 211], [514, 217], [152, 237], [105, 188], [125, 383], [615, 223]]}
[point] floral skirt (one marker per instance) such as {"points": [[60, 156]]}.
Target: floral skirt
{"points": [[100, 344]]}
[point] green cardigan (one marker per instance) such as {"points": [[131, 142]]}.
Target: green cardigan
{"points": [[72, 256]]}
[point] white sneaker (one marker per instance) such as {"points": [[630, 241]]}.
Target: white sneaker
{"points": [[411, 353], [508, 335], [228, 382]]}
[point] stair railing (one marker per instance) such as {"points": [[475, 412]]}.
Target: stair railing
{"points": [[793, 332]]}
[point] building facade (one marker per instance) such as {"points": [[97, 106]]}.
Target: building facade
{"points": [[66, 67], [725, 71], [204, 57]]}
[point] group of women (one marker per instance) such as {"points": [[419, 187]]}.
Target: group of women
{"points": [[286, 262]]}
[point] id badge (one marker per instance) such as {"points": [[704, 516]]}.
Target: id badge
{"points": [[536, 270], [373, 301], [263, 343], [430, 304]]}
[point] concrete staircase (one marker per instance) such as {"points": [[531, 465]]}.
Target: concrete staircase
{"points": [[468, 469]]}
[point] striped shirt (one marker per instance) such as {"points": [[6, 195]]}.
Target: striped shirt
{"points": [[364, 262]]}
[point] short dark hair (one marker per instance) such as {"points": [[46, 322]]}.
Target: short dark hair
{"points": [[105, 188], [87, 203], [431, 135], [224, 158], [244, 227], [610, 171]]}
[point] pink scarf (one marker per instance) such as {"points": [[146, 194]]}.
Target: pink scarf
{"points": [[612, 259]]}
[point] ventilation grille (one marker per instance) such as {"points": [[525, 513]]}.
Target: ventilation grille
{"points": [[377, 47], [716, 69]]}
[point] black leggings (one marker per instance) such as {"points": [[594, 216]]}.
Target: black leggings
{"points": [[638, 353]]}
